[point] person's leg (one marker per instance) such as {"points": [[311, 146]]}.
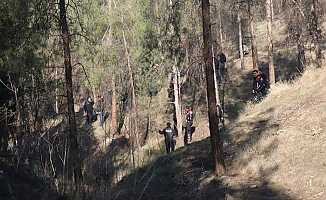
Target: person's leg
{"points": [[89, 117], [185, 137], [101, 114], [167, 146], [173, 144], [189, 132]]}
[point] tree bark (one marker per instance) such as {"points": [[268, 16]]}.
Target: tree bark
{"points": [[269, 15], [133, 114], [301, 54], [113, 124], [220, 30], [218, 102], [74, 148], [216, 142], [240, 42], [56, 90], [316, 33], [177, 106], [253, 39]]}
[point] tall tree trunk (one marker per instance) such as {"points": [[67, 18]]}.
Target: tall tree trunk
{"points": [[316, 32], [240, 42], [74, 148], [301, 54], [216, 142], [56, 90], [113, 125], [253, 39], [269, 16], [216, 75], [133, 114], [177, 105], [220, 30]]}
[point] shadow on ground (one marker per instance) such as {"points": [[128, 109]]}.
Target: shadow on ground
{"points": [[186, 174]]}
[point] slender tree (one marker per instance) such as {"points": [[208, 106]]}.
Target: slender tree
{"points": [[254, 50], [216, 142], [315, 31], [240, 42], [269, 16], [74, 148], [113, 123], [177, 104]]}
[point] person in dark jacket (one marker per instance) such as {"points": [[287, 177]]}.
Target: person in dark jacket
{"points": [[169, 135], [189, 123], [260, 84], [88, 110], [220, 67]]}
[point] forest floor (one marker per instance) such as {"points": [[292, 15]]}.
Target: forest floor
{"points": [[275, 150]]}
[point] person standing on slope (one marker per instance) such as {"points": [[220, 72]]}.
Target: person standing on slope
{"points": [[189, 123], [88, 110], [169, 135], [260, 85], [222, 70], [100, 108]]}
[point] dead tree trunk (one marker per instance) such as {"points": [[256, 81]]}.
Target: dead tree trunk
{"points": [[216, 142], [254, 50], [216, 76], [240, 42], [74, 148], [177, 106], [269, 16]]}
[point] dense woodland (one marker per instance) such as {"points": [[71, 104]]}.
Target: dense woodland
{"points": [[149, 59]]}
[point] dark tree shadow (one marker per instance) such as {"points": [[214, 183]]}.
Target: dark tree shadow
{"points": [[21, 184], [186, 174], [286, 67]]}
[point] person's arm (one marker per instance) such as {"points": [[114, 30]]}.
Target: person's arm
{"points": [[174, 134], [84, 107], [254, 86]]}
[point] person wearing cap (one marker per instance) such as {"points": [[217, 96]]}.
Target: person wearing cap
{"points": [[169, 136]]}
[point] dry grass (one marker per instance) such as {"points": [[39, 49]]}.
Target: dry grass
{"points": [[284, 137]]}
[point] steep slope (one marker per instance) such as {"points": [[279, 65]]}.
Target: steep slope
{"points": [[284, 139], [274, 150]]}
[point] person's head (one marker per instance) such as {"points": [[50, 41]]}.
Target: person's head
{"points": [[89, 99], [168, 124], [255, 73]]}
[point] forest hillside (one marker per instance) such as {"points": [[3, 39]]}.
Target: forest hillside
{"points": [[274, 149], [162, 99]]}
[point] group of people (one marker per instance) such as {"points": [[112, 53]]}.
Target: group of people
{"points": [[91, 114], [259, 90], [170, 133]]}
